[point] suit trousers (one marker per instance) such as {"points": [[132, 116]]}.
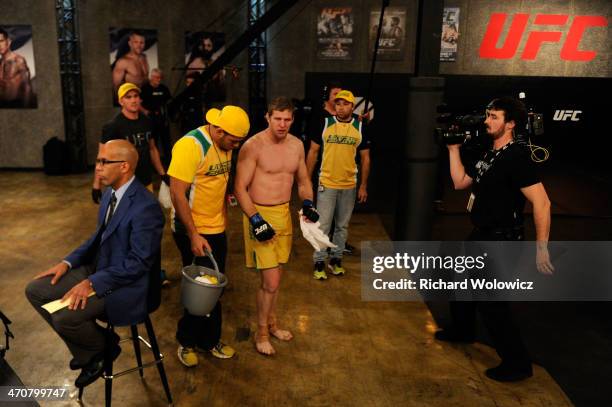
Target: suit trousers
{"points": [[77, 328], [192, 330]]}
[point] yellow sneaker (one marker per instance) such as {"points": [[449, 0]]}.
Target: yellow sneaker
{"points": [[223, 351], [187, 356], [335, 265], [319, 271]]}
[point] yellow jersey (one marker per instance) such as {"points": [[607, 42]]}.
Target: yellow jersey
{"points": [[198, 160], [340, 142]]}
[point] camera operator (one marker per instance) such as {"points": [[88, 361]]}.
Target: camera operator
{"points": [[501, 180]]}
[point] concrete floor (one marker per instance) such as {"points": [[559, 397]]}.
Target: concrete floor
{"points": [[345, 351]]}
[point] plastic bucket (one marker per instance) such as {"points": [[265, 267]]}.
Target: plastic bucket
{"points": [[199, 298]]}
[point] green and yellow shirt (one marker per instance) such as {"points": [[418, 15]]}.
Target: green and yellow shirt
{"points": [[340, 142], [196, 159]]}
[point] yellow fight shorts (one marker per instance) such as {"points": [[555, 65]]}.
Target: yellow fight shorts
{"points": [[273, 252]]}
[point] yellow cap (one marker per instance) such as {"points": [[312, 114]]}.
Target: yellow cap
{"points": [[231, 119], [125, 88], [346, 95]]}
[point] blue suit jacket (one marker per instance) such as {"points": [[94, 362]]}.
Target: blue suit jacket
{"points": [[128, 248]]}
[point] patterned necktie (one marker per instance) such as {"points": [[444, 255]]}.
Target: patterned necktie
{"points": [[111, 209]]}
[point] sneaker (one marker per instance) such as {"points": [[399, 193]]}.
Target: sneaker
{"points": [[222, 351], [187, 356], [319, 271], [335, 265], [348, 249]]}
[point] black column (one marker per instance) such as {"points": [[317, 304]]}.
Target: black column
{"points": [[420, 154]]}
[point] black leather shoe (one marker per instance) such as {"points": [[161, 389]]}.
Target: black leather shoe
{"points": [[74, 365], [508, 373], [448, 335], [94, 369], [90, 373]]}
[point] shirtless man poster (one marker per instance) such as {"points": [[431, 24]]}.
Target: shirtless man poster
{"points": [[133, 55], [15, 75], [202, 48], [267, 166]]}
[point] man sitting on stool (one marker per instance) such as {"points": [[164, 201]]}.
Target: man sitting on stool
{"points": [[114, 264]]}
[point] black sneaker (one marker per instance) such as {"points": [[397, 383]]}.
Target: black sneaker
{"points": [[348, 249], [507, 373]]}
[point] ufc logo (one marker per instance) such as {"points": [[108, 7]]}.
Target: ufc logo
{"points": [[261, 229], [569, 52], [563, 115]]}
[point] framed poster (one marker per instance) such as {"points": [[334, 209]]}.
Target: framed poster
{"points": [[335, 33], [450, 34], [202, 48], [17, 69], [133, 53], [391, 46]]}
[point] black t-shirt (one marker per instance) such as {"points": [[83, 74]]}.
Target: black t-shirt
{"points": [[155, 99], [315, 124], [499, 201], [138, 132]]}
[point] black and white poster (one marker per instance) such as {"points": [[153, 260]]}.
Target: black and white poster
{"points": [[335, 33], [17, 70]]}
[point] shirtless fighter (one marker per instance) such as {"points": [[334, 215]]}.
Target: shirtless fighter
{"points": [[268, 163], [132, 67], [15, 85]]}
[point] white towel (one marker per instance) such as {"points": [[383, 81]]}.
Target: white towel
{"points": [[164, 196], [312, 232]]}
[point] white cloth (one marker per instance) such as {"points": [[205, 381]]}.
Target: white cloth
{"points": [[314, 235], [164, 196]]}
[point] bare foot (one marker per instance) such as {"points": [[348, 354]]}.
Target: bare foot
{"points": [[264, 347], [262, 341], [275, 331], [281, 334]]}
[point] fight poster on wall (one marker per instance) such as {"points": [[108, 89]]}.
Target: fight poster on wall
{"points": [[393, 35], [202, 48], [335, 33], [133, 53], [450, 34], [17, 70]]}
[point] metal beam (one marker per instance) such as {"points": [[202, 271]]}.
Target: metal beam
{"points": [[72, 86], [257, 67], [242, 42]]}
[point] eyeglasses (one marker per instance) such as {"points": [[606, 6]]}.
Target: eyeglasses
{"points": [[103, 161]]}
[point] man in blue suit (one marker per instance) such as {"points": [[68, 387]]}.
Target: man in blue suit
{"points": [[114, 265]]}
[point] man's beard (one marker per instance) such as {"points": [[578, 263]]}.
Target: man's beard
{"points": [[495, 136]]}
